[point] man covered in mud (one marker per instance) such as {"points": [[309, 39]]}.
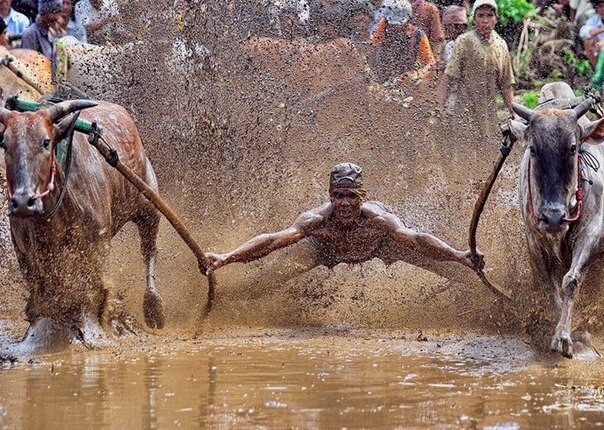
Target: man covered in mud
{"points": [[480, 68], [348, 229]]}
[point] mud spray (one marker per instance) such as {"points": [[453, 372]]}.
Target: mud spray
{"points": [[243, 131]]}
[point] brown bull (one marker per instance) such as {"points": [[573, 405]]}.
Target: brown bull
{"points": [[62, 256], [24, 73], [561, 200]]}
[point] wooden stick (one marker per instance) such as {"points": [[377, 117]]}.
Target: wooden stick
{"points": [[111, 157], [478, 208]]}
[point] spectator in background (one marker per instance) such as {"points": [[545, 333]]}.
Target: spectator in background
{"points": [[401, 49], [592, 33], [580, 11], [3, 34], [41, 35], [455, 21], [346, 18], [561, 8], [426, 17], [73, 28], [16, 22], [361, 16], [100, 19], [479, 69]]}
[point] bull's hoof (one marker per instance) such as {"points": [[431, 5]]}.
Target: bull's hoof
{"points": [[45, 336], [563, 344], [153, 307]]}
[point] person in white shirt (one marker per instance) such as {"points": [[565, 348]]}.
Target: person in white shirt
{"points": [[16, 22]]}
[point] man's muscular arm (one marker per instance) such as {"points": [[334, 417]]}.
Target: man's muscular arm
{"points": [[425, 243], [266, 243]]}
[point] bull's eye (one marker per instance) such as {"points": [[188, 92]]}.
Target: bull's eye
{"points": [[46, 143], [573, 149], [532, 150]]}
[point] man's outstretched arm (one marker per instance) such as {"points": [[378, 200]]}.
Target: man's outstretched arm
{"points": [[428, 244], [263, 244]]}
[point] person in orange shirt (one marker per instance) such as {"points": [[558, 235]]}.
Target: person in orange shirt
{"points": [[426, 17], [401, 49]]}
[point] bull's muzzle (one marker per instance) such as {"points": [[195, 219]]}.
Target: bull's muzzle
{"points": [[552, 217], [24, 205]]}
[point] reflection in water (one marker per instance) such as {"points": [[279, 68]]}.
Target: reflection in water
{"points": [[320, 382]]}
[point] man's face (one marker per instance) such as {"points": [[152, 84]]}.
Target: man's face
{"points": [[5, 6], [600, 9], [485, 19], [346, 205], [54, 20]]}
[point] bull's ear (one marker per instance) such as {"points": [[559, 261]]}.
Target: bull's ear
{"points": [[517, 128], [593, 133], [63, 128]]}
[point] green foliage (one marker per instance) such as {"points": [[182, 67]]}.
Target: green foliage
{"points": [[555, 75], [531, 99], [581, 66], [514, 11]]}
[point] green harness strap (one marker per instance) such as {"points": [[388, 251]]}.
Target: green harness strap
{"points": [[21, 105]]}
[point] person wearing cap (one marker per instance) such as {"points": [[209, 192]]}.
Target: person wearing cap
{"points": [[401, 49], [455, 21], [480, 67], [49, 25], [347, 229]]}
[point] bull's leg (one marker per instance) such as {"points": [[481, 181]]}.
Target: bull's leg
{"points": [[562, 341], [547, 275], [153, 305], [148, 227], [102, 308]]}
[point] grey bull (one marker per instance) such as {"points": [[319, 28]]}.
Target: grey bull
{"points": [[561, 200]]}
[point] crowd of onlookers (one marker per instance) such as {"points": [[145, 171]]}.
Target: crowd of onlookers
{"points": [[586, 18], [39, 24], [406, 41], [402, 39]]}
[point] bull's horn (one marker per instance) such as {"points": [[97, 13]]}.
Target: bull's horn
{"points": [[522, 112], [59, 110], [582, 107]]}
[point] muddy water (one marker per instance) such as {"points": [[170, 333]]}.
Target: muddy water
{"points": [[333, 378]]}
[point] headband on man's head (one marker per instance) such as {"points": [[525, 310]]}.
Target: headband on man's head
{"points": [[347, 176]]}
